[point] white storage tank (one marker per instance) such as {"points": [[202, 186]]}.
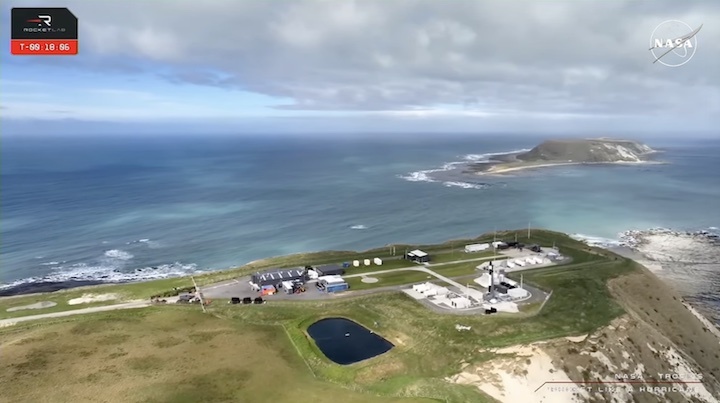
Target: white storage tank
{"points": [[378, 261], [367, 262], [356, 263]]}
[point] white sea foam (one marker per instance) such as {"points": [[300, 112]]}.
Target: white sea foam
{"points": [[108, 274], [118, 254], [487, 156], [53, 263], [426, 174], [466, 185], [359, 226], [596, 240], [144, 240]]}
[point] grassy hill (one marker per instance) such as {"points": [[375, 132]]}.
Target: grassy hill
{"points": [[587, 150]]}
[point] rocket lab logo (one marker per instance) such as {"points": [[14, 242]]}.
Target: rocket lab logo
{"points": [[43, 23], [46, 19], [673, 43]]}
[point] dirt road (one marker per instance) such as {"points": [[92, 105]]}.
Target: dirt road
{"points": [[126, 305]]}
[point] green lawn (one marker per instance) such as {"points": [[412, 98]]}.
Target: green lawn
{"points": [[74, 364], [143, 290], [459, 255], [388, 279], [580, 304]]}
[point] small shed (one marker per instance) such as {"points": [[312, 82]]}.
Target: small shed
{"points": [[367, 262], [287, 286], [418, 256], [377, 261], [460, 302], [356, 263]]}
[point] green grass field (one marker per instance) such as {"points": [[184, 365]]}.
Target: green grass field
{"points": [[175, 353]]}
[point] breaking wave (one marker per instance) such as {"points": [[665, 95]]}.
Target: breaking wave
{"points": [[106, 273], [466, 185], [360, 226], [118, 254], [596, 241], [426, 175]]}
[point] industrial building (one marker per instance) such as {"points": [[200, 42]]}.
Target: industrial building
{"points": [[330, 270], [333, 283], [275, 277], [477, 247], [460, 302], [418, 256]]}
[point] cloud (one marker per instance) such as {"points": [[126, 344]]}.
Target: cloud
{"points": [[487, 58]]}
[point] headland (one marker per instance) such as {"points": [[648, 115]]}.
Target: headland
{"points": [[570, 152], [606, 319]]}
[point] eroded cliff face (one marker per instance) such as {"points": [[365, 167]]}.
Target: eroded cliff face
{"points": [[590, 150], [659, 337]]}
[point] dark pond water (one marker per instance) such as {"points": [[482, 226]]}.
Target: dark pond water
{"points": [[345, 342]]}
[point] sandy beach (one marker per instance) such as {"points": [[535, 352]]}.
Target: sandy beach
{"points": [[503, 169]]}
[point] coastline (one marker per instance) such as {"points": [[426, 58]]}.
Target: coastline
{"points": [[687, 261], [500, 168]]}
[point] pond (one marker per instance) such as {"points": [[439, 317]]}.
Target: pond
{"points": [[345, 342]]}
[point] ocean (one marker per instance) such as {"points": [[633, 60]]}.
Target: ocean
{"points": [[119, 208]]}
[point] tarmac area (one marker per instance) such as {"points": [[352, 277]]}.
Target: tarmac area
{"points": [[241, 288]]}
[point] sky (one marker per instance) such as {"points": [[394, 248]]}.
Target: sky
{"points": [[366, 66]]}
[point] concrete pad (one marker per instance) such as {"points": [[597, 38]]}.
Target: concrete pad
{"points": [[369, 280], [414, 294]]}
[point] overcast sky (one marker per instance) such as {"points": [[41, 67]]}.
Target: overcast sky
{"points": [[390, 65]]}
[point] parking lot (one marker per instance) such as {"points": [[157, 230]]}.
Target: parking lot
{"points": [[241, 288]]}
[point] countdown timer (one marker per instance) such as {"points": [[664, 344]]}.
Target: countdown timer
{"points": [[43, 31], [44, 47]]}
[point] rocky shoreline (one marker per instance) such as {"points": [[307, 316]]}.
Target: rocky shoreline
{"points": [[688, 261]]}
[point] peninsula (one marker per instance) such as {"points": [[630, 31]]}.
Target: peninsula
{"points": [[601, 318], [570, 152]]}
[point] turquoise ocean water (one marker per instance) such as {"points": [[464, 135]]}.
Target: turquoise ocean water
{"points": [[117, 208]]}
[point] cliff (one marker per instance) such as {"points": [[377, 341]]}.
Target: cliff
{"points": [[587, 150]]}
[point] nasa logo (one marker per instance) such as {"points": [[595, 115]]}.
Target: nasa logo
{"points": [[673, 43]]}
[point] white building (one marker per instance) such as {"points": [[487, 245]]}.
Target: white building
{"points": [[477, 247], [518, 293], [460, 302], [430, 289], [356, 263], [420, 287], [378, 261], [497, 244], [367, 262]]}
